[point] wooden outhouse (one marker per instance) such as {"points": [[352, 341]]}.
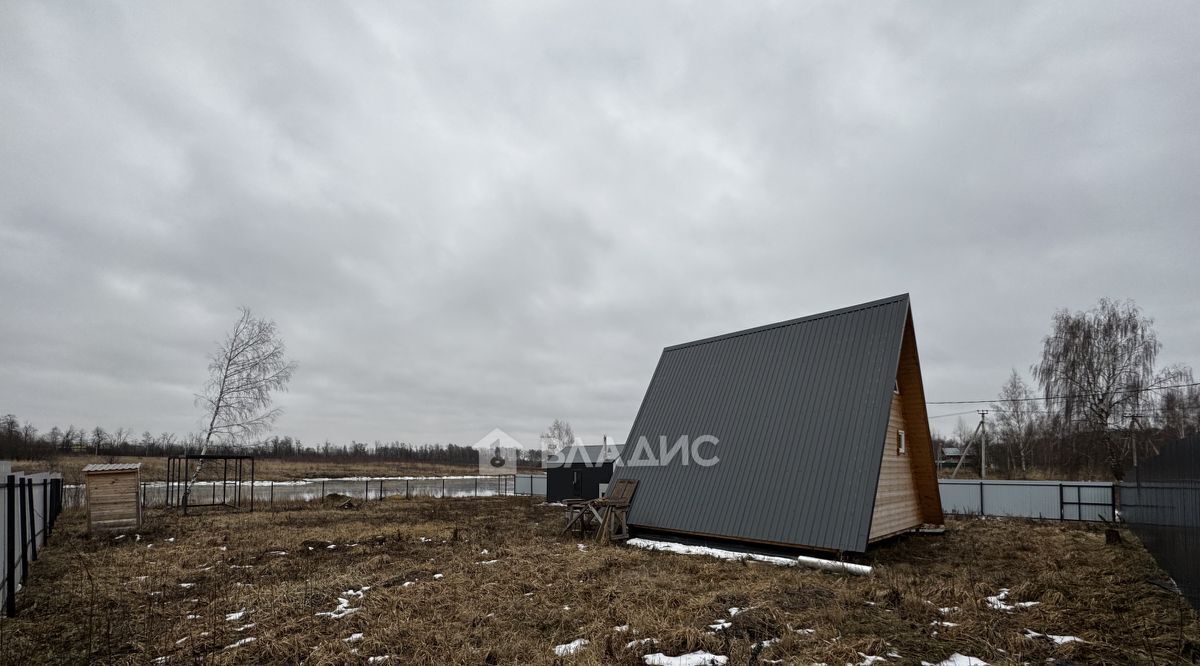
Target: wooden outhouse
{"points": [[113, 497]]}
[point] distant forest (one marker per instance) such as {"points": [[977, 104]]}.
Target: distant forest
{"points": [[25, 442]]}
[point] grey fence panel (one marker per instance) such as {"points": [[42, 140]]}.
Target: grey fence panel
{"points": [[1055, 500], [1160, 500]]}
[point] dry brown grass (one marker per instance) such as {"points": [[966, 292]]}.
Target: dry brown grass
{"points": [[265, 469], [88, 601]]}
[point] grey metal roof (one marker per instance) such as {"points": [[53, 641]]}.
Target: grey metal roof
{"points": [[594, 454], [111, 467], [800, 409]]}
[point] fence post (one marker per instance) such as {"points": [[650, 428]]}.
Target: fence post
{"points": [[367, 490], [406, 493], [10, 537], [272, 494], [45, 510], [381, 490], [1062, 513], [322, 489], [981, 512], [443, 487], [477, 486], [32, 521], [24, 531]]}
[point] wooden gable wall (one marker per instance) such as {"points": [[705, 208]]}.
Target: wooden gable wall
{"points": [[907, 495]]}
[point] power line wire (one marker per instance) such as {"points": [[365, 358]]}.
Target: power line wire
{"points": [[1057, 397]]}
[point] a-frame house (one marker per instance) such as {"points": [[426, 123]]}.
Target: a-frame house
{"points": [[821, 435]]}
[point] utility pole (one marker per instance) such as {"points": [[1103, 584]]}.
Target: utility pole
{"points": [[983, 443], [1133, 421]]}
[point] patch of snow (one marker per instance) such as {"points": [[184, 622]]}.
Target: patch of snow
{"points": [[1058, 640], [484, 551], [425, 539], [867, 659], [161, 660], [182, 640], [735, 610], [766, 644], [806, 632], [171, 540], [566, 608], [720, 625], [641, 641], [408, 583], [581, 547], [245, 641], [353, 638], [278, 553], [331, 546], [948, 609], [187, 585], [378, 660], [234, 617], [571, 648], [118, 537], [998, 602], [192, 616], [719, 553], [246, 626], [939, 623], [957, 659], [489, 562], [697, 658], [438, 575], [623, 627], [224, 548]]}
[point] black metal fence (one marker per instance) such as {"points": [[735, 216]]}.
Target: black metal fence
{"points": [[267, 494], [29, 507], [1160, 500]]}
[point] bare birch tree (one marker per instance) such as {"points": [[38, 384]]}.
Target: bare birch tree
{"points": [[245, 370], [1098, 367], [1017, 415]]}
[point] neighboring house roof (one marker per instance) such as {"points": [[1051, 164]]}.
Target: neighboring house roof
{"points": [[112, 467], [594, 454], [951, 451], [800, 409]]}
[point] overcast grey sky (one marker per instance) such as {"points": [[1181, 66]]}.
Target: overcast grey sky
{"points": [[466, 216]]}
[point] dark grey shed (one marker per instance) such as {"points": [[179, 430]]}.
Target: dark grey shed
{"points": [[823, 438], [579, 472]]}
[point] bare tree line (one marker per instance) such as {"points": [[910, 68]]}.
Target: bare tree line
{"points": [[1104, 401]]}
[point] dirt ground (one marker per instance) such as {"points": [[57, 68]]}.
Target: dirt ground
{"points": [[490, 581], [265, 469]]}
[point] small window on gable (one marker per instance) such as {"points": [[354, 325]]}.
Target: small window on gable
{"points": [[901, 443]]}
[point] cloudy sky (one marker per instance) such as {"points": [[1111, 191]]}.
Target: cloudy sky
{"points": [[470, 215]]}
